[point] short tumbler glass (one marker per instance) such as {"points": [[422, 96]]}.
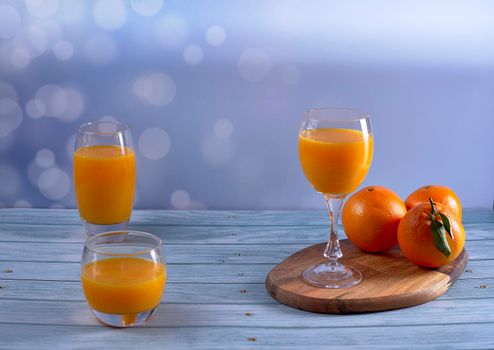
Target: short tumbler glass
{"points": [[123, 276]]}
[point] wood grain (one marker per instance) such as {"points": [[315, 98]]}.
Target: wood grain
{"points": [[192, 254], [210, 293], [187, 273], [215, 297], [422, 337], [247, 315], [196, 234], [30, 216], [190, 273], [390, 281]]}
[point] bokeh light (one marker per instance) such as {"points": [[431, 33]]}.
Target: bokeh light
{"points": [[10, 21], [215, 35], [52, 30], [109, 14], [33, 172], [147, 8], [171, 31], [254, 65], [20, 58], [180, 199], [42, 8], [75, 106], [32, 40], [157, 89], [35, 108], [72, 12], [63, 50], [7, 91], [10, 116], [154, 143], [193, 54], [53, 99], [45, 158], [54, 183], [223, 128]]}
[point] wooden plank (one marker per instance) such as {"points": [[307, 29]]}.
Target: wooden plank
{"points": [[201, 217], [175, 293], [174, 254], [452, 336], [253, 315], [471, 289], [203, 234], [175, 234], [193, 273], [204, 293], [197, 254], [189, 273], [172, 217]]}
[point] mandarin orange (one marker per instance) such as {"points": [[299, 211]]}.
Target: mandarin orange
{"points": [[371, 216], [420, 238], [439, 194]]}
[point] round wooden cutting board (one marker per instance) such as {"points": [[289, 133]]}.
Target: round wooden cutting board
{"points": [[390, 281]]}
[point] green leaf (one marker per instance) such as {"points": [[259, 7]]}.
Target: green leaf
{"points": [[447, 225], [439, 237]]}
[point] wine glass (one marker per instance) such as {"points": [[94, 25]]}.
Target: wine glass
{"points": [[123, 276], [104, 176], [335, 150]]}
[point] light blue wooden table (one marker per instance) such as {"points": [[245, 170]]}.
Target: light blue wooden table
{"points": [[215, 296]]}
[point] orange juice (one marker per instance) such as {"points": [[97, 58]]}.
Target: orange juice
{"points": [[123, 285], [104, 179], [335, 161]]}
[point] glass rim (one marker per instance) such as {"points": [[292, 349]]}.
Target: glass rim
{"points": [[361, 113], [121, 128], [157, 242]]}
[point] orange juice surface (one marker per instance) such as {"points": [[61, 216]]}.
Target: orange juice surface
{"points": [[104, 178], [335, 161], [123, 285]]}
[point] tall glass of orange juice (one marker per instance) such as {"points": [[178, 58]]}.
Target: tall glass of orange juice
{"points": [[104, 175], [123, 276], [335, 151]]}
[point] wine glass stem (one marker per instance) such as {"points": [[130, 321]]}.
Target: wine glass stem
{"points": [[333, 251]]}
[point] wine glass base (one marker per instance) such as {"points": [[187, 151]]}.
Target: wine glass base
{"points": [[332, 276], [94, 229], [125, 320]]}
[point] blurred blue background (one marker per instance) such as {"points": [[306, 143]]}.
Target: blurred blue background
{"points": [[214, 91]]}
